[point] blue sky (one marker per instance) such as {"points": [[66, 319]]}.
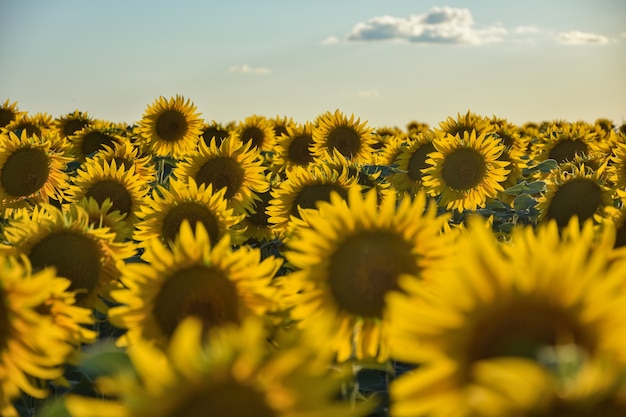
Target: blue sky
{"points": [[387, 62]]}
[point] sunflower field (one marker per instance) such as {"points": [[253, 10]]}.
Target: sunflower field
{"points": [[180, 266]]}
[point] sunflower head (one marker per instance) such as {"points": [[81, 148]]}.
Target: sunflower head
{"points": [[294, 148], [466, 123], [258, 131], [336, 131], [70, 123], [216, 131], [36, 124], [8, 113]]}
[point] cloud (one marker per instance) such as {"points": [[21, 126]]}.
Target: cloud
{"points": [[247, 69], [372, 92], [526, 30], [438, 25], [331, 40], [575, 37]]}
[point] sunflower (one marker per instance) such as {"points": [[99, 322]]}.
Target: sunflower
{"points": [[303, 190], [294, 148], [231, 165], [481, 331], [411, 160], [88, 257], [256, 224], [38, 326], [563, 143], [216, 130], [258, 131], [464, 171], [102, 180], [9, 112], [170, 128], [105, 216], [36, 124], [347, 256], [192, 277], [234, 373], [466, 124], [70, 123], [578, 191], [350, 137], [29, 169], [415, 127], [127, 155], [94, 138], [281, 125], [169, 207], [616, 168]]}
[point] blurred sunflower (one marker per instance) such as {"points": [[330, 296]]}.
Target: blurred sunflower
{"points": [[9, 112], [170, 128], [578, 191], [616, 168], [281, 125], [89, 257], [36, 124], [38, 327], [216, 130], [234, 373], [192, 277], [348, 136], [415, 127], [101, 180], [294, 148], [185, 200], [70, 123], [411, 160], [105, 216], [481, 331], [563, 143], [258, 131], [29, 169], [256, 225], [466, 123], [232, 165], [127, 155], [464, 171], [348, 256], [94, 138], [303, 190]]}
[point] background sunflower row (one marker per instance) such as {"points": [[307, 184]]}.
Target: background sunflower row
{"points": [[328, 241]]}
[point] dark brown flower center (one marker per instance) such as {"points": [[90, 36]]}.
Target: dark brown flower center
{"points": [[299, 151], [345, 139], [222, 172], [6, 117], [192, 212], [578, 197], [463, 169], [171, 125], [566, 150], [254, 134], [95, 141], [309, 195], [75, 257], [214, 132], [417, 161], [260, 217], [199, 291], [365, 267], [72, 126], [25, 171], [114, 191]]}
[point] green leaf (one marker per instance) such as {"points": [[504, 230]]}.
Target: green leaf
{"points": [[523, 202], [106, 359], [524, 187]]}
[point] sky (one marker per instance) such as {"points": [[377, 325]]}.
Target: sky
{"points": [[386, 62]]}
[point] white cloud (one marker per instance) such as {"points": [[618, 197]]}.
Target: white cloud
{"points": [[372, 92], [247, 69], [526, 30], [576, 37], [331, 40], [438, 25]]}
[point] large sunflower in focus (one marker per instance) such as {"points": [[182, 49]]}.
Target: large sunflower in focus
{"points": [[465, 171], [170, 127], [485, 334], [231, 165], [578, 191], [192, 277], [351, 138], [89, 257], [33, 346], [30, 169], [234, 373], [185, 200], [348, 256], [102, 180]]}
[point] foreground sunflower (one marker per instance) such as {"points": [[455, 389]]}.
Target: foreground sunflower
{"points": [[29, 169], [483, 333], [235, 373], [464, 171], [351, 138], [231, 165], [192, 277], [89, 257], [348, 255], [185, 200], [39, 328], [170, 128]]}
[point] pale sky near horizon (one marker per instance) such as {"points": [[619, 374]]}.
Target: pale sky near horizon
{"points": [[387, 62]]}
